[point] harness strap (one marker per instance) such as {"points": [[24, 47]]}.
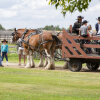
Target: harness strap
{"points": [[24, 34], [41, 41], [22, 38], [30, 35]]}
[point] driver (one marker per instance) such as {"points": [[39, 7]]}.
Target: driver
{"points": [[77, 25]]}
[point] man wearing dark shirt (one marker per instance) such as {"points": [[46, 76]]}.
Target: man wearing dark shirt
{"points": [[77, 25], [97, 27]]}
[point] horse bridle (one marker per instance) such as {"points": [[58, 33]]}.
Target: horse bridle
{"points": [[15, 34]]}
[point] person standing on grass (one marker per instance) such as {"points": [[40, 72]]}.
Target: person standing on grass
{"points": [[21, 52], [4, 51]]}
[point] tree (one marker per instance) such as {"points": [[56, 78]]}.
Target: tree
{"points": [[70, 5], [51, 27], [1, 27]]}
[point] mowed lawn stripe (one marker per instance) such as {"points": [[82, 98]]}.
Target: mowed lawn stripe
{"points": [[33, 84]]}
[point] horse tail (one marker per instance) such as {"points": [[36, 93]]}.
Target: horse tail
{"points": [[56, 39]]}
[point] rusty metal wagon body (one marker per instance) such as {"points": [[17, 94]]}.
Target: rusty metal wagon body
{"points": [[71, 49]]}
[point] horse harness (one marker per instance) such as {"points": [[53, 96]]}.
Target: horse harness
{"points": [[41, 40]]}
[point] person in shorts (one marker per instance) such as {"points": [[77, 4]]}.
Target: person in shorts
{"points": [[21, 52]]}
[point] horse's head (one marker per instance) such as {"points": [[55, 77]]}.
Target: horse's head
{"points": [[15, 35]]}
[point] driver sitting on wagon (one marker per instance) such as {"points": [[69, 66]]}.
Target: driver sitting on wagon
{"points": [[77, 25]]}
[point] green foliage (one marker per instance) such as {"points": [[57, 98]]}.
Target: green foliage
{"points": [[1, 27], [70, 5], [51, 27]]}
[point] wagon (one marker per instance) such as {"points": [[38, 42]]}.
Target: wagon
{"points": [[72, 49]]}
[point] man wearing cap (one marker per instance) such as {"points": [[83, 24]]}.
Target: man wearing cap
{"points": [[84, 29], [77, 25], [97, 27]]}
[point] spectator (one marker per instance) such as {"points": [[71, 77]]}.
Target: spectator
{"points": [[0, 57], [4, 51], [21, 52]]}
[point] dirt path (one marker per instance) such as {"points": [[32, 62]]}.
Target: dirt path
{"points": [[15, 65]]}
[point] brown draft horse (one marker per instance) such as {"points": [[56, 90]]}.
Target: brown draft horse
{"points": [[37, 42]]}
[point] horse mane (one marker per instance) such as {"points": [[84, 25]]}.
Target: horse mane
{"points": [[27, 29]]}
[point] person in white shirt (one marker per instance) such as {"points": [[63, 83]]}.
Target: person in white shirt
{"points": [[84, 29], [84, 32], [21, 52]]}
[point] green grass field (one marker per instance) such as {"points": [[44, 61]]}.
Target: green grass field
{"points": [[35, 84]]}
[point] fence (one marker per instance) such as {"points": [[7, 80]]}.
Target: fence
{"points": [[58, 53], [6, 35], [12, 49]]}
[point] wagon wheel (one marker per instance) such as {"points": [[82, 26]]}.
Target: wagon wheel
{"points": [[74, 65], [92, 66]]}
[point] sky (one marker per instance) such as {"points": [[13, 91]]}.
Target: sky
{"points": [[37, 13]]}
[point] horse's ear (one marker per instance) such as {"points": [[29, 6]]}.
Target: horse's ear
{"points": [[15, 29]]}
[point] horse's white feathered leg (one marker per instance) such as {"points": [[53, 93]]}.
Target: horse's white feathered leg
{"points": [[28, 62], [41, 61], [31, 60], [46, 62], [50, 61]]}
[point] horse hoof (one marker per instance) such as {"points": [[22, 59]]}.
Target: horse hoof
{"points": [[33, 66], [27, 66], [50, 67], [40, 65], [46, 68]]}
